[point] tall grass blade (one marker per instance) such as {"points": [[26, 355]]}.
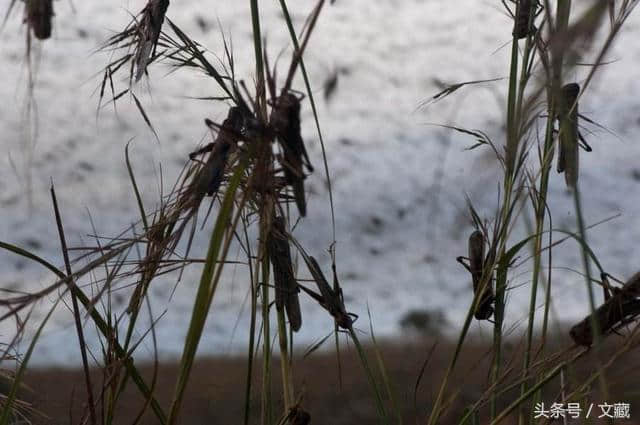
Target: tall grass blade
{"points": [[206, 291]]}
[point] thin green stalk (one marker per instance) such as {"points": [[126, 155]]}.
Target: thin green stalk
{"points": [[537, 398], [383, 372], [303, 69], [285, 366], [531, 392], [503, 264], [510, 167], [207, 288], [252, 326], [541, 202], [76, 310], [370, 377], [512, 139], [267, 416], [435, 411], [587, 275], [524, 71], [506, 213], [144, 282], [136, 191], [501, 283], [257, 46], [563, 13]]}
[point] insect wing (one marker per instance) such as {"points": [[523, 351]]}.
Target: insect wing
{"points": [[568, 160], [476, 257], [212, 172], [285, 119], [321, 281]]}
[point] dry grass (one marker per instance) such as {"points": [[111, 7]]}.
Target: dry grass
{"points": [[215, 394]]}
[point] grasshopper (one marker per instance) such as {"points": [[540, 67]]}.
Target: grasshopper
{"points": [[164, 234], [148, 29], [481, 274], [210, 175], [521, 20], [38, 17], [285, 121], [618, 309], [330, 299], [285, 282], [570, 138]]}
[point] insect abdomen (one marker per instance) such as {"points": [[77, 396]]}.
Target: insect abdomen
{"points": [[39, 14], [521, 20]]}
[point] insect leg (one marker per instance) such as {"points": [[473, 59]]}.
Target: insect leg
{"points": [[205, 149], [606, 286], [583, 143], [461, 260]]}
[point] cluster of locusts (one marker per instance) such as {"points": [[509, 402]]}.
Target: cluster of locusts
{"points": [[272, 178], [549, 38], [258, 149], [255, 167], [619, 308], [624, 305]]}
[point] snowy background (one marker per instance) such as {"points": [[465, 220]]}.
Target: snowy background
{"points": [[399, 183]]}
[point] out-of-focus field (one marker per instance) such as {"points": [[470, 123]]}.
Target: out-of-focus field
{"points": [[215, 393], [399, 184]]}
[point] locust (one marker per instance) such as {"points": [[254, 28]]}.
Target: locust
{"points": [[148, 32], [330, 299], [165, 233], [570, 138], [618, 309], [285, 282], [210, 175], [38, 17], [481, 274], [285, 122], [521, 20]]}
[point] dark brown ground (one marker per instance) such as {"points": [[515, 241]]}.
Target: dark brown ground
{"points": [[215, 392]]}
